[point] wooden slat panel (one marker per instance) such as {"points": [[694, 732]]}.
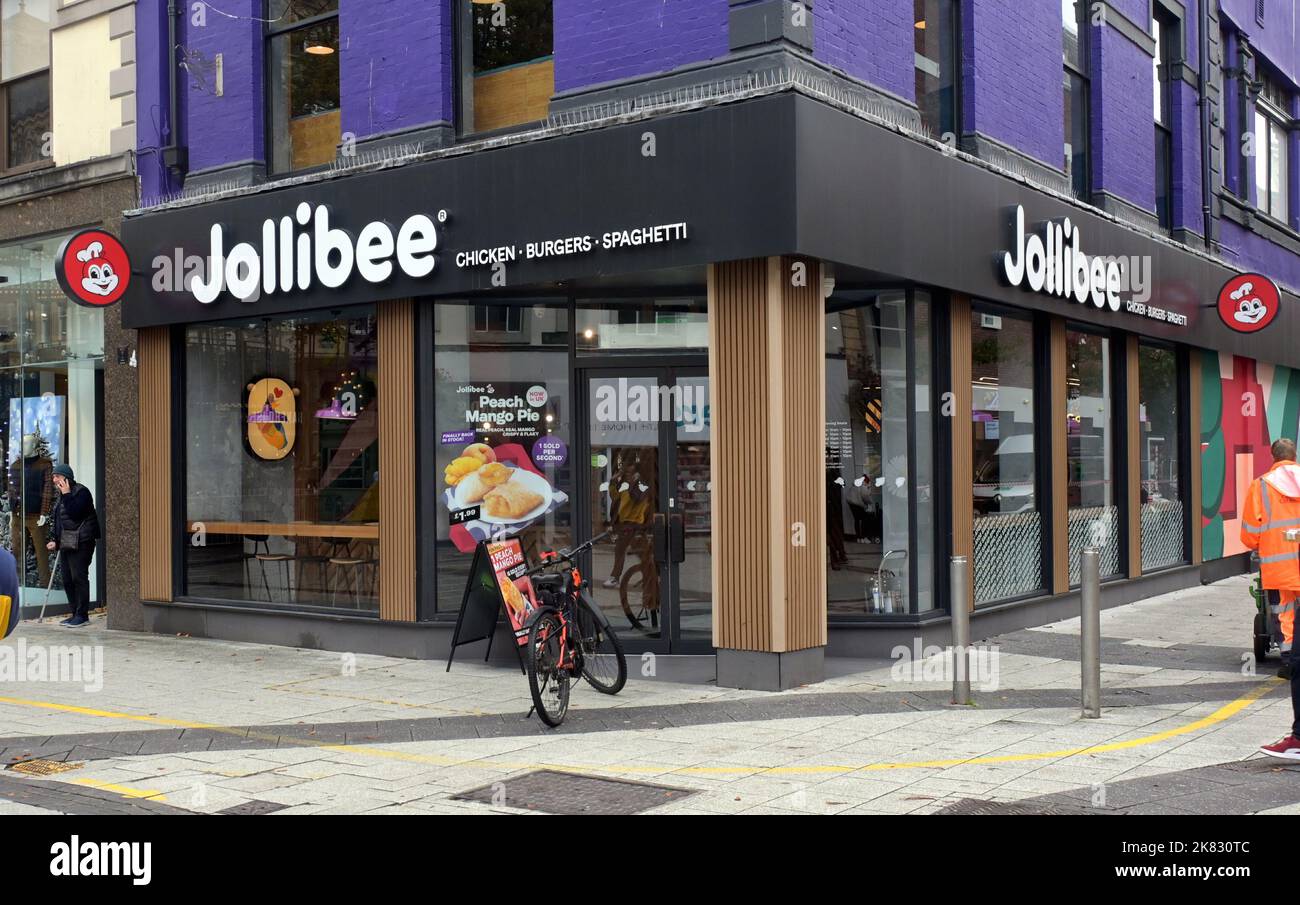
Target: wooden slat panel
{"points": [[963, 445], [396, 391], [155, 409], [802, 431], [1060, 473], [767, 371], [1193, 451], [738, 374], [1134, 464]]}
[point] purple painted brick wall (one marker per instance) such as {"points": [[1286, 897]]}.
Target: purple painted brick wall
{"points": [[1187, 210], [1250, 251], [1123, 119], [152, 129], [1011, 76], [227, 129], [1279, 38], [619, 39], [396, 64], [870, 40], [1231, 115]]}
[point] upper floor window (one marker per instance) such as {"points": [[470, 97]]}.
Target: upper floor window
{"points": [[1165, 30], [1074, 54], [25, 80], [1271, 159], [935, 33], [511, 73], [303, 83]]}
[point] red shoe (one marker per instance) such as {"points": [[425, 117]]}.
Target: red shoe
{"points": [[1288, 748]]}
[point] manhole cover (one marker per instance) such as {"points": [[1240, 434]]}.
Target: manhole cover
{"points": [[39, 767], [553, 792], [253, 808], [975, 807]]}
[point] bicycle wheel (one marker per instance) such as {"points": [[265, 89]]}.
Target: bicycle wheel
{"points": [[636, 600], [603, 664], [547, 680]]}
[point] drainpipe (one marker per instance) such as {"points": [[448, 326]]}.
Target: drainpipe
{"points": [[174, 156], [1207, 192]]}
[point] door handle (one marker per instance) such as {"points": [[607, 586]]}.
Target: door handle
{"points": [[677, 536], [660, 529]]}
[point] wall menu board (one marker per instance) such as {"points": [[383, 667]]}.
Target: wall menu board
{"points": [[497, 581]]}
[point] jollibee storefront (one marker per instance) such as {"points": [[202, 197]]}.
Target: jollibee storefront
{"points": [[788, 401]]}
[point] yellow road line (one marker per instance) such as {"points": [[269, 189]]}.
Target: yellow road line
{"points": [[1225, 712], [124, 791]]}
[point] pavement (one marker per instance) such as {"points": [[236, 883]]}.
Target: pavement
{"points": [[147, 724]]}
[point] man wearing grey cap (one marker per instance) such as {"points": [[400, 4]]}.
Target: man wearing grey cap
{"points": [[76, 528]]}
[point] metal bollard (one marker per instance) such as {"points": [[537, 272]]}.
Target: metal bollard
{"points": [[959, 585], [1090, 631]]}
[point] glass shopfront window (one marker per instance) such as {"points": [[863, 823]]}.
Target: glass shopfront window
{"points": [[1093, 518], [879, 454], [282, 460], [51, 363], [1159, 433], [1008, 548], [504, 432], [642, 323]]}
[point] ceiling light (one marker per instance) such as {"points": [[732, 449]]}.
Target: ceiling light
{"points": [[319, 50]]}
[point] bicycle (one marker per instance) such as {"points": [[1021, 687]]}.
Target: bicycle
{"points": [[569, 636], [638, 591]]}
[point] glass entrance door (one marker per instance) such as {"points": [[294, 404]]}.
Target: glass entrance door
{"points": [[647, 482]]}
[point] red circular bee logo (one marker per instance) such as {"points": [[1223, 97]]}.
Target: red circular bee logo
{"points": [[93, 269], [1248, 302]]}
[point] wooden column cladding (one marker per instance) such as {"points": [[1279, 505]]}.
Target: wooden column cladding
{"points": [[1060, 458], [155, 458], [1193, 452], [963, 444], [1133, 445], [396, 391], [767, 372]]}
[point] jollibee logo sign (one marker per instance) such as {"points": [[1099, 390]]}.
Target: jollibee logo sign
{"points": [[93, 268], [1249, 302]]}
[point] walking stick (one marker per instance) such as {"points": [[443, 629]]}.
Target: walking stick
{"points": [[54, 570]]}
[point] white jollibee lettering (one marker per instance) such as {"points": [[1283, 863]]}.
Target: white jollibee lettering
{"points": [[291, 258], [1054, 264]]}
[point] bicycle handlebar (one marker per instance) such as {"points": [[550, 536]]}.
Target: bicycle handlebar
{"points": [[567, 555]]}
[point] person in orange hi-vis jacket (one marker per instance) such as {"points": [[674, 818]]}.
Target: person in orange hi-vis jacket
{"points": [[1272, 507]]}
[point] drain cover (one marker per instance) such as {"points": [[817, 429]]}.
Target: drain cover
{"points": [[254, 808], [39, 767], [975, 807], [553, 792]]}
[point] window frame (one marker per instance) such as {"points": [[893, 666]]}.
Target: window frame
{"points": [[1081, 72], [1274, 117], [937, 301], [1168, 32], [1182, 400], [463, 61], [270, 32], [955, 24], [1116, 346], [5, 85], [1044, 469]]}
